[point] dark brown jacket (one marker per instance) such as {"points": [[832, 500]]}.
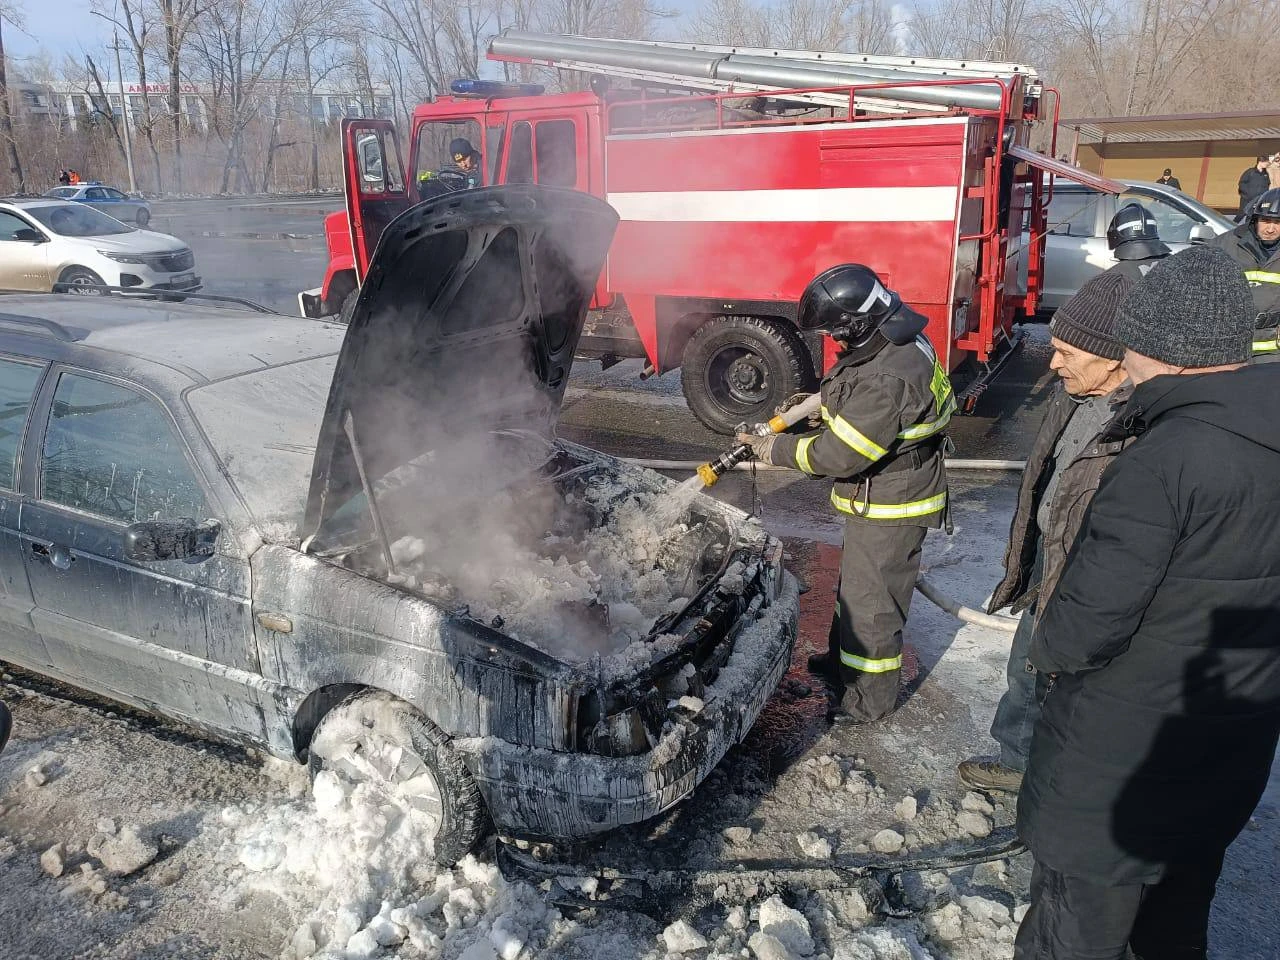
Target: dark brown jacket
{"points": [[1079, 483]]}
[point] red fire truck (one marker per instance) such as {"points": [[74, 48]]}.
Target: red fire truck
{"points": [[759, 171]]}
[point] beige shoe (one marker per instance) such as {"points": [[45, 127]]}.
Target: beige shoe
{"points": [[989, 775]]}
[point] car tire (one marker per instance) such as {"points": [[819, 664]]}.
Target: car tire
{"points": [[144, 217], [348, 309], [81, 280], [376, 739], [740, 369]]}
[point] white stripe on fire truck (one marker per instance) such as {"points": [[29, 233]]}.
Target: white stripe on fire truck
{"points": [[829, 205]]}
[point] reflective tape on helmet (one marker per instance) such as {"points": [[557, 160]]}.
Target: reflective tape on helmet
{"points": [[890, 511], [802, 454], [886, 665], [1262, 276], [852, 437]]}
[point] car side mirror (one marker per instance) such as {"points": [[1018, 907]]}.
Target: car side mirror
{"points": [[148, 541], [27, 235], [1202, 233]]}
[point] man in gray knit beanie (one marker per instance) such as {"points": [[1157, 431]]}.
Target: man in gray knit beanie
{"points": [[1063, 470], [1193, 311]]}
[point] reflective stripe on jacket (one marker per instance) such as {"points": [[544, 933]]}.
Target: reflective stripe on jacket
{"points": [[1261, 268], [875, 410]]}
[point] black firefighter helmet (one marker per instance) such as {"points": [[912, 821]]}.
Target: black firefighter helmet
{"points": [[1265, 204], [1134, 235], [849, 303]]}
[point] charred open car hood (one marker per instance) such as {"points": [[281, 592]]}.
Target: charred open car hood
{"points": [[466, 324]]}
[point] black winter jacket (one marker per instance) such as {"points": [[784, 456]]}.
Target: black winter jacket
{"points": [[1253, 182], [1162, 639], [1079, 483]]}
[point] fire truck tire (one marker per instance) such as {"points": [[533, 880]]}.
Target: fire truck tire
{"points": [[738, 369], [348, 306]]}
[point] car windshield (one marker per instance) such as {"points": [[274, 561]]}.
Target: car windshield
{"points": [[77, 220], [263, 426]]}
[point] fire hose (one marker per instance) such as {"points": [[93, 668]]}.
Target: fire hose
{"points": [[738, 458]]}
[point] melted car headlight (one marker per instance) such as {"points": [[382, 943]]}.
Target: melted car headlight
{"points": [[611, 729], [123, 257]]}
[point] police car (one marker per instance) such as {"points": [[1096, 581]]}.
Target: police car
{"points": [[109, 200]]}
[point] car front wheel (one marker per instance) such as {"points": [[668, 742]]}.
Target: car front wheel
{"points": [[381, 742], [80, 280], [144, 217]]}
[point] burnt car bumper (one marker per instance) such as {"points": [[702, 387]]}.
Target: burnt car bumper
{"points": [[546, 794]]}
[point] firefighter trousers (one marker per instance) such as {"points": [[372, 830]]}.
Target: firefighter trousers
{"points": [[878, 572]]}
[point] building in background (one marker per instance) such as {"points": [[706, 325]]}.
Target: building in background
{"points": [[77, 103], [1206, 151]]}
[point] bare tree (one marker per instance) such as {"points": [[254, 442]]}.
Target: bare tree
{"points": [[177, 19], [864, 26], [6, 120], [135, 20]]}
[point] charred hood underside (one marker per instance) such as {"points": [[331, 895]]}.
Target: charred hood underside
{"points": [[467, 323]]}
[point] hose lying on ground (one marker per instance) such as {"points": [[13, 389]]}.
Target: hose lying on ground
{"points": [[695, 464], [962, 613], [927, 589]]}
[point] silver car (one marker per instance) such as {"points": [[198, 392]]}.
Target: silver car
{"points": [[350, 545], [109, 200], [1078, 217]]}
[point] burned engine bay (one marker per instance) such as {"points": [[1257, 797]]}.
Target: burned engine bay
{"points": [[576, 554]]}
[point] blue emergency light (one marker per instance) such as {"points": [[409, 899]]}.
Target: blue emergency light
{"points": [[495, 88]]}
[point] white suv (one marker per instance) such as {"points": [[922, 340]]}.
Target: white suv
{"points": [[47, 242]]}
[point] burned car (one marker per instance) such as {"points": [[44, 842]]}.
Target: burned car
{"points": [[365, 548]]}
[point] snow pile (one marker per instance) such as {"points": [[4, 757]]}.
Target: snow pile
{"points": [[545, 574]]}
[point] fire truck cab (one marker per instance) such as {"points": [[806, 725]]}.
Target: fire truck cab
{"points": [[730, 203]]}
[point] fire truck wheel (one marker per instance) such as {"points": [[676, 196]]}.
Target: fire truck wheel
{"points": [[348, 306], [738, 369]]}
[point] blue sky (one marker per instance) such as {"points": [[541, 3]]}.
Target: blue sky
{"points": [[55, 27]]}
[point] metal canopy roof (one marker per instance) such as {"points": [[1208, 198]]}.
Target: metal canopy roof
{"points": [[1252, 125]]}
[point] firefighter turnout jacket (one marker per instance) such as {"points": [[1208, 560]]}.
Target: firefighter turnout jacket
{"points": [[1262, 271], [884, 410]]}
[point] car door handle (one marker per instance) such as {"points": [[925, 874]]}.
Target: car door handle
{"points": [[55, 554]]}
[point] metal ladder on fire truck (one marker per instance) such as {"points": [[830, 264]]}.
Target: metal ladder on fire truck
{"points": [[790, 75]]}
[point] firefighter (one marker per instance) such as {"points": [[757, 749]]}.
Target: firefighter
{"points": [[1134, 239], [885, 405], [467, 159], [1255, 245]]}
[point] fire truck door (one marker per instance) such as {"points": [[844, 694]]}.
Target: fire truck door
{"points": [[373, 177]]}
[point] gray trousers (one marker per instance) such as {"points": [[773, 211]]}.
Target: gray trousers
{"points": [[878, 572]]}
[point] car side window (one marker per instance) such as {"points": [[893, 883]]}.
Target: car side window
{"points": [[10, 224], [1173, 224], [1073, 213], [111, 451], [17, 385], [113, 194], [96, 193]]}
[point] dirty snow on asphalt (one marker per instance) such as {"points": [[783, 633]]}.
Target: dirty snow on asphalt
{"points": [[124, 838]]}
